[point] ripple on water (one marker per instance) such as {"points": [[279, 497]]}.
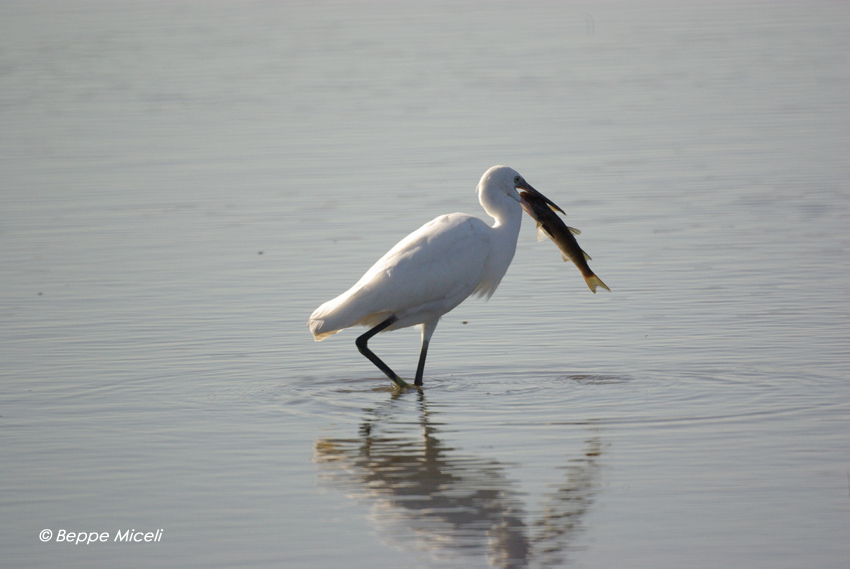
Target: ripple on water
{"points": [[554, 396]]}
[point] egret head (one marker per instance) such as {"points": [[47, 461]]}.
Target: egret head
{"points": [[498, 191]]}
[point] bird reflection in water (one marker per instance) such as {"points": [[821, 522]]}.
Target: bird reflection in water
{"points": [[434, 497]]}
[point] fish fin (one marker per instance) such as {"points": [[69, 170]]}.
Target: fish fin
{"points": [[555, 208], [586, 256], [540, 233], [564, 257], [574, 231], [593, 281]]}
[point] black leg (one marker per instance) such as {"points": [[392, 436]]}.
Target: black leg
{"points": [[427, 331], [420, 369], [364, 349]]}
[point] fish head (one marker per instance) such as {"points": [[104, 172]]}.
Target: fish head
{"points": [[533, 202]]}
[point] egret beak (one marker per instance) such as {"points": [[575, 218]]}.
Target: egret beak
{"points": [[526, 188]]}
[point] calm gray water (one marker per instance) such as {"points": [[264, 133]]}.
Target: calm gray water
{"points": [[183, 183]]}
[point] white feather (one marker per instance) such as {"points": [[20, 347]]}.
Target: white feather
{"points": [[435, 268]]}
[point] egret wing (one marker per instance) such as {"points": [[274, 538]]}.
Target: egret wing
{"points": [[425, 275]]}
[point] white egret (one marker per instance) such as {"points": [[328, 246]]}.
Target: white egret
{"points": [[431, 271]]}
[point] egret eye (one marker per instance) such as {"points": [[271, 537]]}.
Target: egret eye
{"points": [[517, 180]]}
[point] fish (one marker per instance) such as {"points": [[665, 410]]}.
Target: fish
{"points": [[543, 210]]}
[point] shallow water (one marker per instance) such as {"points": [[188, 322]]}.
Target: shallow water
{"points": [[183, 184]]}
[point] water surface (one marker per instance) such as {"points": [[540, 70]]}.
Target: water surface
{"points": [[183, 184]]}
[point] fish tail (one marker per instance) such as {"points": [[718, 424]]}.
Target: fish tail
{"points": [[593, 281]]}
